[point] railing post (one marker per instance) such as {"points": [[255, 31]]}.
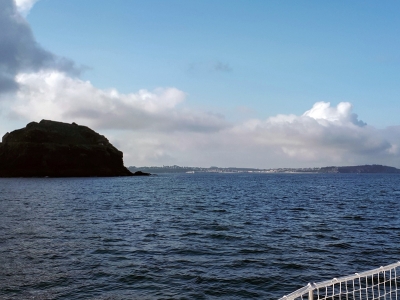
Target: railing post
{"points": [[311, 295]]}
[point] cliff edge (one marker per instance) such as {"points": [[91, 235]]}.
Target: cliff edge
{"points": [[57, 149]]}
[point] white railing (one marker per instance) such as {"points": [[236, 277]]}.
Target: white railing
{"points": [[380, 283]]}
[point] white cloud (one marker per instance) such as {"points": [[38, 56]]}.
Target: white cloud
{"points": [[54, 95], [321, 133], [322, 112], [24, 6]]}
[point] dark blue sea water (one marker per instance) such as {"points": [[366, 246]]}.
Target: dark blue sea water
{"points": [[192, 236]]}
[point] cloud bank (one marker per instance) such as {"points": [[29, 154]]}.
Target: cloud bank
{"points": [[155, 127]]}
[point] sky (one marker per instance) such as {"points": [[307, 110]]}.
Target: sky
{"points": [[228, 83]]}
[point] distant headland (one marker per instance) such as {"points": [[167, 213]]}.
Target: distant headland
{"points": [[333, 169], [56, 149]]}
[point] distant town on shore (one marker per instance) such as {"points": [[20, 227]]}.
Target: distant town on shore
{"points": [[332, 169]]}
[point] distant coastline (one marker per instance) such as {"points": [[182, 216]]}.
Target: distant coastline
{"points": [[330, 169]]}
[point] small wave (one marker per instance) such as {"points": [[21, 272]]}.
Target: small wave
{"points": [[133, 278], [340, 245], [220, 236], [316, 250], [220, 210], [298, 209], [190, 233], [355, 218], [292, 266], [252, 250], [216, 227]]}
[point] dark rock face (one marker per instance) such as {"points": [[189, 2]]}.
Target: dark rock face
{"points": [[56, 149], [140, 173]]}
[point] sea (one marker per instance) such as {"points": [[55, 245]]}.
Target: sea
{"points": [[192, 236]]}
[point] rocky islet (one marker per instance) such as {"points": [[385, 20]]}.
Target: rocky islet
{"points": [[57, 149]]}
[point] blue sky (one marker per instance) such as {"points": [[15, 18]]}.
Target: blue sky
{"points": [[225, 83], [280, 57]]}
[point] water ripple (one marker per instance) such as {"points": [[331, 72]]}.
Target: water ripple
{"points": [[203, 236]]}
